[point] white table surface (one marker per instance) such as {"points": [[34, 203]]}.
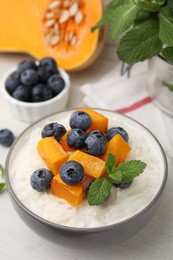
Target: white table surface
{"points": [[17, 241]]}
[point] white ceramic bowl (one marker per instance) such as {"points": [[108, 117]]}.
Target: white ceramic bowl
{"points": [[94, 235], [30, 112]]}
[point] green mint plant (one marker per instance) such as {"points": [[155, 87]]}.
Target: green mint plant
{"points": [[100, 189], [2, 176], [145, 28]]}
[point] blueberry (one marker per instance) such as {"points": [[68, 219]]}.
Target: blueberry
{"points": [[44, 74], [6, 137], [95, 144], [117, 130], [25, 65], [12, 82], [81, 120], [29, 77], [71, 172], [49, 64], [40, 179], [56, 83], [22, 93], [76, 138], [41, 93], [53, 129], [96, 132], [123, 185]]}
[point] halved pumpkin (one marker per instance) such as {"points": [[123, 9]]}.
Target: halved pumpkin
{"points": [[26, 26]]}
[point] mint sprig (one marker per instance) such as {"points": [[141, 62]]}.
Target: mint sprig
{"points": [[125, 19], [2, 176], [100, 189]]}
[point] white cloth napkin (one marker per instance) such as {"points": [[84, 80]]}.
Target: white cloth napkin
{"points": [[130, 96]]}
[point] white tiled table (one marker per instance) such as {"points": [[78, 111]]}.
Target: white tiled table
{"points": [[18, 242]]}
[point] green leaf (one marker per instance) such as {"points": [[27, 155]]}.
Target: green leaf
{"points": [[142, 16], [168, 54], [110, 164], [99, 191], [170, 5], [116, 177], [150, 5], [166, 26], [2, 174], [121, 19], [140, 43], [131, 169], [167, 85], [2, 186], [111, 6]]}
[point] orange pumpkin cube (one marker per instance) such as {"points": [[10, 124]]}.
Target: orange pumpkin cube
{"points": [[73, 194], [118, 147], [93, 166], [64, 144], [99, 121], [52, 153]]}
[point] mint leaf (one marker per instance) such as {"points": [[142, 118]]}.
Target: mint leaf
{"points": [[2, 174], [166, 26], [110, 164], [167, 85], [121, 18], [142, 16], [116, 177], [2, 186], [168, 54], [99, 191], [140, 43], [152, 6], [131, 169], [111, 6]]}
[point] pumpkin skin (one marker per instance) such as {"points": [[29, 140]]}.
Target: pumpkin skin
{"points": [[22, 30]]}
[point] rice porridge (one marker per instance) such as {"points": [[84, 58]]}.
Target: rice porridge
{"points": [[122, 203]]}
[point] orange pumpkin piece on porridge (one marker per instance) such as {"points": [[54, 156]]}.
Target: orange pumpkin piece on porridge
{"points": [[93, 166], [118, 147], [99, 121], [73, 194], [52, 153]]}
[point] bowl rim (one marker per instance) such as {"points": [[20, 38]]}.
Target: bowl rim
{"points": [[86, 230], [35, 104]]}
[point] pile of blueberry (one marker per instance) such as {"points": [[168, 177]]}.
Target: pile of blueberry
{"points": [[35, 81], [93, 143]]}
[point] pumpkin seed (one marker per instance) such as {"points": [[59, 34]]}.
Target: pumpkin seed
{"points": [[48, 38], [55, 39], [73, 9], [66, 3], [49, 15], [70, 36], [73, 40], [54, 4], [50, 23], [64, 17], [78, 17]]}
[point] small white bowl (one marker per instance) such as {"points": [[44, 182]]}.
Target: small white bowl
{"points": [[30, 112]]}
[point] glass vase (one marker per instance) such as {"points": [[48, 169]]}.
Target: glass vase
{"points": [[160, 83]]}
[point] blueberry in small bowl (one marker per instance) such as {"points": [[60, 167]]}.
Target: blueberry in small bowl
{"points": [[35, 89]]}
